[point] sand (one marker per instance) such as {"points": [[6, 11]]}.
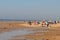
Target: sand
{"points": [[14, 25], [51, 34], [11, 25]]}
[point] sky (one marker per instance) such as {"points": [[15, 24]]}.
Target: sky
{"points": [[30, 9]]}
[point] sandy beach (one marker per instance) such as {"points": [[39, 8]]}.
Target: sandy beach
{"points": [[13, 25], [10, 25], [51, 34], [28, 32]]}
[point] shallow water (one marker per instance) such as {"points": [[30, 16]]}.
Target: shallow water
{"points": [[10, 34]]}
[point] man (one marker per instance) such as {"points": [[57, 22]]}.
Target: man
{"points": [[47, 24]]}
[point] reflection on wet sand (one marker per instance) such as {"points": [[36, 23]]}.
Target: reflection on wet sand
{"points": [[51, 34]]}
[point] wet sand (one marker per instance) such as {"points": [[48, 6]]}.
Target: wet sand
{"points": [[50, 34]]}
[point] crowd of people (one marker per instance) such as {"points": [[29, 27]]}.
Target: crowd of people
{"points": [[43, 22]]}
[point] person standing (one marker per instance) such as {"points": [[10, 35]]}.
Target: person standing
{"points": [[47, 24]]}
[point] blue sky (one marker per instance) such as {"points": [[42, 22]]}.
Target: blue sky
{"points": [[29, 9]]}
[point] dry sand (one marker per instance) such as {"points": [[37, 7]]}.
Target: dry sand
{"points": [[11, 25]]}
